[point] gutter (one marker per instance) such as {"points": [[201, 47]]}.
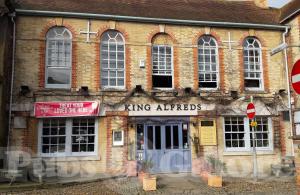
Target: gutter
{"points": [[148, 20]]}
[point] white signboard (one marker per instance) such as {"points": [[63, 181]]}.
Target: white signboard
{"points": [[162, 109]]}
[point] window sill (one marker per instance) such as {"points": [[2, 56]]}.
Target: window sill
{"points": [[113, 90], [247, 153], [70, 158], [163, 89], [255, 91]]}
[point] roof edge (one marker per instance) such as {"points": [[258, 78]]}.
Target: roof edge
{"points": [[289, 16], [150, 20]]}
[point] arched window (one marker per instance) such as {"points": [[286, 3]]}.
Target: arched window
{"points": [[208, 62], [58, 58], [162, 61], [252, 64], [112, 60]]}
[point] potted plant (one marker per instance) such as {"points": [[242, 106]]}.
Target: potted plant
{"points": [[217, 168], [146, 165], [149, 181]]}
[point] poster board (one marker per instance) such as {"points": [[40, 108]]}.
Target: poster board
{"points": [[208, 133]]}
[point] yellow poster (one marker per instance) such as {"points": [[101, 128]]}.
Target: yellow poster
{"points": [[208, 133]]}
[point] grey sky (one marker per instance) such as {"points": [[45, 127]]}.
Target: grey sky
{"points": [[278, 3]]}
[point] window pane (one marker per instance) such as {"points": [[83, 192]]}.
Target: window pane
{"points": [[58, 76], [157, 137], [150, 137], [162, 66], [58, 54], [175, 137], [140, 137], [234, 132], [53, 135], [83, 133], [207, 61], [113, 58], [168, 137], [252, 63]]}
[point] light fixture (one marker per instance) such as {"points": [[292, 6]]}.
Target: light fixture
{"points": [[24, 89], [84, 90], [234, 94], [188, 90], [138, 88]]}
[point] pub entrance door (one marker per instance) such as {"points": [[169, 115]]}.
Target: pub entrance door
{"points": [[167, 146]]}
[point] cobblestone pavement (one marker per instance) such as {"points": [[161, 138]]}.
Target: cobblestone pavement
{"points": [[169, 184]]}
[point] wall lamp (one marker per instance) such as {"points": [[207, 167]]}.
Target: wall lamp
{"points": [[138, 88], [24, 90], [84, 90]]}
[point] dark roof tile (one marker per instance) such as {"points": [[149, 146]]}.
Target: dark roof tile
{"points": [[201, 10], [289, 9]]}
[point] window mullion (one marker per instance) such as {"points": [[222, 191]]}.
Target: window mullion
{"points": [[247, 134], [68, 137]]}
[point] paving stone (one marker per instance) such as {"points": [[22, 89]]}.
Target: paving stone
{"points": [[185, 185]]}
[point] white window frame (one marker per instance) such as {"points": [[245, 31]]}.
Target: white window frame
{"points": [[172, 66], [68, 66], [261, 79], [116, 69], [68, 143], [247, 140], [217, 72], [118, 143]]}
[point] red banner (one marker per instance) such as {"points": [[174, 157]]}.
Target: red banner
{"points": [[65, 109]]}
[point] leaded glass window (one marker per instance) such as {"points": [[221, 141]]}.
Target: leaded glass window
{"points": [[68, 137], [208, 62], [162, 63], [112, 60], [234, 132], [238, 133], [252, 64], [53, 136], [58, 58], [261, 132], [83, 135]]}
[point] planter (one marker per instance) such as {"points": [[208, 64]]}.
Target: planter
{"points": [[141, 176], [132, 168], [149, 183], [214, 181]]}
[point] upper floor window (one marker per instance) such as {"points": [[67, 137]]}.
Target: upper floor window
{"points": [[162, 66], [208, 62], [162, 61], [252, 64], [58, 58], [112, 60]]}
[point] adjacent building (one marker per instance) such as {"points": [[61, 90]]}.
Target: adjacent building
{"points": [[106, 84]]}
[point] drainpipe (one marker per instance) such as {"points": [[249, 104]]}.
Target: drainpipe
{"points": [[12, 15], [288, 87]]}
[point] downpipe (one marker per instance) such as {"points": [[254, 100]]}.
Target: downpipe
{"points": [[288, 87], [12, 15]]}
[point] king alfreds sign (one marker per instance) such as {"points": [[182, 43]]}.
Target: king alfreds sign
{"points": [[162, 109]]}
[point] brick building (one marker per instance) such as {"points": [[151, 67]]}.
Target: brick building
{"points": [[116, 82]]}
